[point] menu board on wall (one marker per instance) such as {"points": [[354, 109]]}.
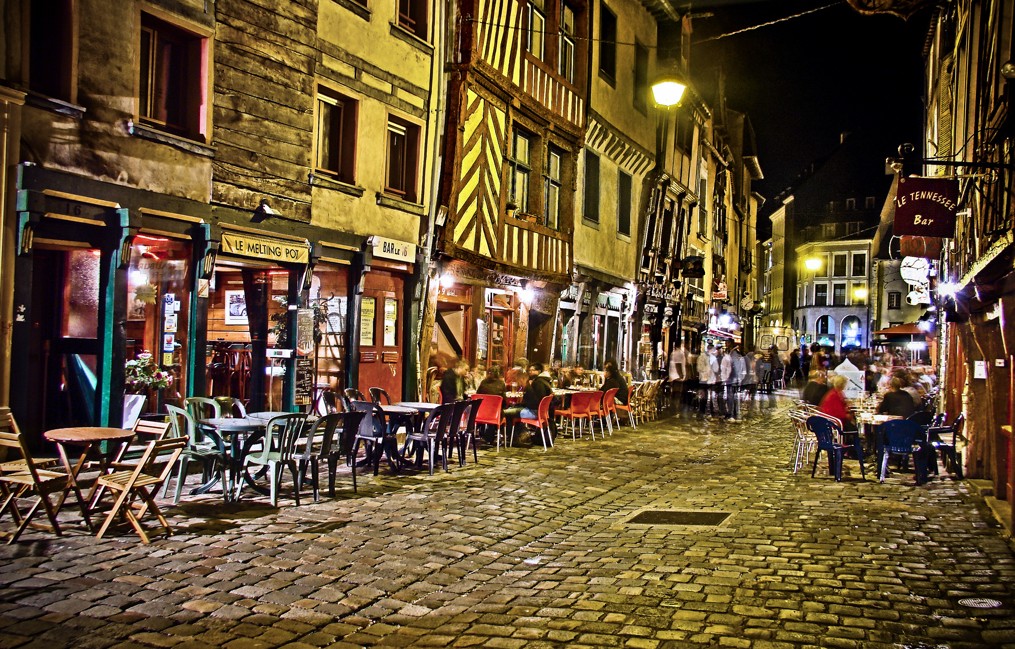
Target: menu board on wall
{"points": [[304, 380], [368, 312], [305, 332]]}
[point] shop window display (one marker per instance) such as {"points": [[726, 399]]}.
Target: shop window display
{"points": [[158, 308]]}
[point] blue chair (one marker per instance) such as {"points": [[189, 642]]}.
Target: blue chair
{"points": [[828, 433], [904, 438]]}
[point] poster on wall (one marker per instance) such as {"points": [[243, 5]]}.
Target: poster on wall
{"points": [[304, 332], [235, 308], [368, 312], [390, 323]]}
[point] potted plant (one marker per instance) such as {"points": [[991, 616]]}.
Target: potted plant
{"points": [[142, 376]]}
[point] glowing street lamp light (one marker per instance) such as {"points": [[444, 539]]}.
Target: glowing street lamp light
{"points": [[812, 263], [668, 89], [860, 293]]}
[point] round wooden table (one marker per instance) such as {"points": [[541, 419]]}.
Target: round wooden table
{"points": [[87, 437]]}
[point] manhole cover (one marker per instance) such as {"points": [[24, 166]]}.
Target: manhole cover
{"points": [[979, 602], [671, 517]]}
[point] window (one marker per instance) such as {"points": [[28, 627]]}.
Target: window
{"points": [[173, 95], [838, 294], [624, 204], [838, 265], [868, 202], [860, 293], [412, 16], [591, 187], [894, 300], [827, 230], [565, 56], [336, 134], [822, 270], [859, 264], [821, 295], [684, 138], [853, 227], [607, 43], [702, 214], [801, 295], [521, 169], [803, 323], [551, 188], [535, 42], [824, 325], [52, 43], [641, 77], [850, 203], [403, 153]]}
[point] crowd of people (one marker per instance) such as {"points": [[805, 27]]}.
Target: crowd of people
{"points": [[719, 382]]}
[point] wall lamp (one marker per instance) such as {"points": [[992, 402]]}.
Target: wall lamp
{"points": [[263, 211]]}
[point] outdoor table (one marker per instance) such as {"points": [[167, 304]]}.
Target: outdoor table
{"points": [[869, 421], [240, 434], [88, 438]]}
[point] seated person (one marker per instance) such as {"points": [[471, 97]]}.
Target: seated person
{"points": [[453, 382], [815, 389], [834, 403], [896, 401], [493, 383], [614, 379], [537, 388], [573, 378]]}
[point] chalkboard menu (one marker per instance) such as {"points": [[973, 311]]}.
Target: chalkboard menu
{"points": [[304, 380]]}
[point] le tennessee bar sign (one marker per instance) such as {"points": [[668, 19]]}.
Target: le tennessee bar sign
{"points": [[925, 207]]}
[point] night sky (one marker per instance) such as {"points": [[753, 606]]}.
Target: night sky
{"points": [[804, 81]]}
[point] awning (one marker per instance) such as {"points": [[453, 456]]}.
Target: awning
{"points": [[883, 237], [908, 329]]}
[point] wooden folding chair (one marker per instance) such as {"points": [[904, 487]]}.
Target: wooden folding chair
{"points": [[130, 454], [31, 481], [142, 483]]}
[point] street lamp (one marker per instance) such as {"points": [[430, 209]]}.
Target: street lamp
{"points": [[668, 89], [812, 263]]}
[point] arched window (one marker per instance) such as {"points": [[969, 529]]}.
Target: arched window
{"points": [[824, 325], [851, 332]]}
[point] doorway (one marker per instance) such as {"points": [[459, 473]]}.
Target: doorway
{"points": [[62, 350]]}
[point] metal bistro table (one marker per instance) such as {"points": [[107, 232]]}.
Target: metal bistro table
{"points": [[88, 438], [240, 434]]}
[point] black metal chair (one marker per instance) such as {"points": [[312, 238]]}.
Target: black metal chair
{"points": [[432, 436], [379, 396], [330, 438], [943, 440]]}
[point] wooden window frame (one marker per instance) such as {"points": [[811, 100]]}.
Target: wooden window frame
{"points": [[591, 199], [183, 73], [51, 49], [401, 176], [522, 168], [552, 186], [625, 191], [412, 17], [345, 169], [607, 43]]}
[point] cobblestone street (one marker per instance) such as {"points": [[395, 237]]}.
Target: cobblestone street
{"points": [[534, 549]]}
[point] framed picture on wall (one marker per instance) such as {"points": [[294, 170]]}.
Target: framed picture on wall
{"points": [[235, 308]]}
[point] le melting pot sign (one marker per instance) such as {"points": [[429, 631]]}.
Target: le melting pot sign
{"points": [[925, 207]]}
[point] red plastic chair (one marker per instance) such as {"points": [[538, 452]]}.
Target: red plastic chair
{"points": [[579, 413], [491, 413], [542, 421], [627, 407], [597, 413], [610, 408]]}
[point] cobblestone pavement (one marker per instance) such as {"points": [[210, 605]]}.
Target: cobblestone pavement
{"points": [[534, 549]]}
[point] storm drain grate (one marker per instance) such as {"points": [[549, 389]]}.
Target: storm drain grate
{"points": [[979, 602], [675, 517]]}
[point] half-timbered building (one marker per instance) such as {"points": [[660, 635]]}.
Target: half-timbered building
{"points": [[516, 122]]}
